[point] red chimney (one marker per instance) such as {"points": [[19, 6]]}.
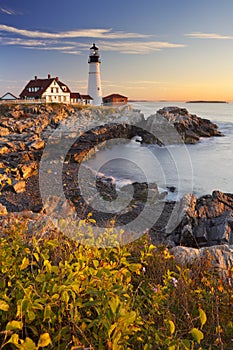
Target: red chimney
{"points": [[49, 76], [35, 77], [57, 79]]}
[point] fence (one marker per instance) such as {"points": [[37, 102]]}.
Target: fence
{"points": [[18, 101]]}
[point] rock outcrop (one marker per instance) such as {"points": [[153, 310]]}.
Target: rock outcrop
{"points": [[189, 127], [219, 258], [25, 131]]}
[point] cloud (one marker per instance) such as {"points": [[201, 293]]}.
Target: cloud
{"points": [[199, 35], [82, 33], [121, 42], [22, 42], [136, 47], [8, 11]]}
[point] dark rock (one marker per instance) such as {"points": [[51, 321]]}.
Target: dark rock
{"points": [[206, 221], [189, 126], [171, 188]]}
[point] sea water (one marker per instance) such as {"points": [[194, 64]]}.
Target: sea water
{"points": [[199, 169]]}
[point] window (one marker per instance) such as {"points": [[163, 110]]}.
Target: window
{"points": [[52, 90]]}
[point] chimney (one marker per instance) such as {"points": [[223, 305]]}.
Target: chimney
{"points": [[49, 76], [35, 77], [57, 79]]}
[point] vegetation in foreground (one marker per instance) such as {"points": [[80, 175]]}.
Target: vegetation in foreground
{"points": [[59, 294]]}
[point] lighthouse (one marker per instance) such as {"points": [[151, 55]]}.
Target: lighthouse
{"points": [[94, 82]]}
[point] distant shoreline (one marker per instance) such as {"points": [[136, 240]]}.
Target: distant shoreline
{"points": [[206, 101], [167, 101]]}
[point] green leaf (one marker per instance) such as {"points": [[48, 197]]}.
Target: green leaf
{"points": [[25, 263], [44, 340], [3, 305], [111, 329], [47, 312], [203, 317], [114, 303], [14, 339], [95, 263], [186, 344], [48, 266], [36, 255], [28, 344], [65, 297], [128, 318], [31, 315], [13, 325], [197, 335]]}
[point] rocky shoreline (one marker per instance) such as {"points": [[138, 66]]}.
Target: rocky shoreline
{"points": [[26, 130]]}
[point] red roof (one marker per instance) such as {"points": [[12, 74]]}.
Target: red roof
{"points": [[114, 96], [86, 97], [42, 84], [75, 95]]}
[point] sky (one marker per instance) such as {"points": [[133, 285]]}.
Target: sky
{"points": [[150, 50]]}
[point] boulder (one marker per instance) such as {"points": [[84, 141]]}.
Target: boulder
{"points": [[218, 257], [206, 221]]}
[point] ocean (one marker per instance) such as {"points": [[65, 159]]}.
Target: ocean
{"points": [[199, 169]]}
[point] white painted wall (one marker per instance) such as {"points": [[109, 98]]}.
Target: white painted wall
{"points": [[54, 93], [94, 83]]}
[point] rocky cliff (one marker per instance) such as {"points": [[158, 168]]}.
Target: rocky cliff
{"points": [[25, 131]]}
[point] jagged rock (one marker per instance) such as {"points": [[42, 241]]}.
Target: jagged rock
{"points": [[189, 126], [206, 221], [29, 169], [218, 257], [38, 144], [19, 186], [4, 149], [3, 209], [4, 131]]}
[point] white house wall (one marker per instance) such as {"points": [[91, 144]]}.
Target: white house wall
{"points": [[54, 93]]}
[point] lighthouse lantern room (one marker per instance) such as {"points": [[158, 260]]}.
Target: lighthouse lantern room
{"points": [[94, 81]]}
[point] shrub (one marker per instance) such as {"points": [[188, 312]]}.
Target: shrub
{"points": [[56, 293]]}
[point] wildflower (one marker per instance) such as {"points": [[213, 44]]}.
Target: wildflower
{"points": [[155, 290], [144, 269], [174, 281]]}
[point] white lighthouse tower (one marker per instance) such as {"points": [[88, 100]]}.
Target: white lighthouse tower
{"points": [[94, 82]]}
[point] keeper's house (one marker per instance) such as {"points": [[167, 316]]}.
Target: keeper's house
{"points": [[50, 90], [115, 99]]}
